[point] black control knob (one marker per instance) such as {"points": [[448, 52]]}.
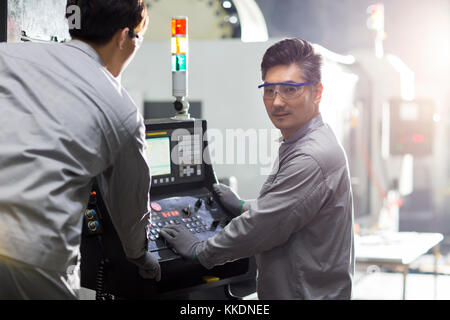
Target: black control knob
{"points": [[209, 200], [187, 211], [90, 213], [198, 204]]}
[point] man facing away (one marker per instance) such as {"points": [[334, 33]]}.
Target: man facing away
{"points": [[65, 119], [300, 228]]}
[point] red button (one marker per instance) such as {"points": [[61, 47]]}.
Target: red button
{"points": [[155, 206]]}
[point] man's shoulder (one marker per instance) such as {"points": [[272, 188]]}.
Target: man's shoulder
{"points": [[29, 50], [323, 146]]}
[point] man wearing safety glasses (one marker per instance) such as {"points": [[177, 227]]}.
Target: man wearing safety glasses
{"points": [[300, 228], [65, 119]]}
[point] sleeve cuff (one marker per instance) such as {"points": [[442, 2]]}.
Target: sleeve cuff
{"points": [[202, 256], [248, 204]]}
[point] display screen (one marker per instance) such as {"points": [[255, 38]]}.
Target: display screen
{"points": [[158, 154], [189, 150]]}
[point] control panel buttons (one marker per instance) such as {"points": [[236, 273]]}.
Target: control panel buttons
{"points": [[198, 204], [93, 198], [187, 211], [155, 206], [191, 214], [93, 225], [90, 213]]}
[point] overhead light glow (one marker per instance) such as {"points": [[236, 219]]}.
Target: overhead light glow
{"points": [[436, 117], [407, 77], [252, 22], [227, 4], [339, 58], [233, 19]]}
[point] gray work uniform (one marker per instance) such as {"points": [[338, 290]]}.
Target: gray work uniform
{"points": [[300, 228], [64, 120]]}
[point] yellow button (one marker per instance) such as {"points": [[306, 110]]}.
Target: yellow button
{"points": [[209, 279]]}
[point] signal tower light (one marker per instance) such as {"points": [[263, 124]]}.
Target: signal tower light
{"points": [[376, 23], [180, 51]]}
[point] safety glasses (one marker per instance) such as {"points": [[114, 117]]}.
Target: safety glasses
{"points": [[139, 39], [286, 90]]}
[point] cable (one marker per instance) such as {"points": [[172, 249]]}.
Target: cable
{"points": [[100, 292]]}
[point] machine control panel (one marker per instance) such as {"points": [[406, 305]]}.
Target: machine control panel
{"points": [[200, 215], [181, 194]]}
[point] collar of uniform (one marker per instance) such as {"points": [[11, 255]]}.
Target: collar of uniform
{"points": [[307, 127], [86, 48]]}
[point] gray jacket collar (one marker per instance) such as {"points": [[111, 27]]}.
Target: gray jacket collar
{"points": [[86, 48], [312, 124]]}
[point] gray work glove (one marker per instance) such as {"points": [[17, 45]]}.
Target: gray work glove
{"points": [[229, 199], [149, 267], [183, 241]]}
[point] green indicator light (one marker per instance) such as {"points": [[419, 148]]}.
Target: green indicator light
{"points": [[179, 63]]}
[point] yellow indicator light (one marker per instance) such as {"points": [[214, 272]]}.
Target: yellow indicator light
{"points": [[179, 45], [209, 279], [152, 134]]}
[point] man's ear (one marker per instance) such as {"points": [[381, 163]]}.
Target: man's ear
{"points": [[121, 37], [318, 93]]}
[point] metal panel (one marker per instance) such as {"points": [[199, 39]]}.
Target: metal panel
{"points": [[39, 19], [3, 20]]}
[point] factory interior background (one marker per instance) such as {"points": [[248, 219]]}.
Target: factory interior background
{"points": [[386, 95]]}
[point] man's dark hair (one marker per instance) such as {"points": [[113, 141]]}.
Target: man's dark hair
{"points": [[101, 19], [294, 50]]}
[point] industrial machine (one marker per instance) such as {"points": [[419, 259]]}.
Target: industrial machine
{"points": [[181, 194]]}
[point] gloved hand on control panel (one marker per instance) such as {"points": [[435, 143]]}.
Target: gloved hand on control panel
{"points": [[149, 267], [230, 199], [182, 240]]}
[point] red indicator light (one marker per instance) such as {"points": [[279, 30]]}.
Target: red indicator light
{"points": [[418, 138], [164, 215], [179, 27]]}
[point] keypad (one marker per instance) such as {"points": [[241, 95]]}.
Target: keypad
{"points": [[194, 224]]}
